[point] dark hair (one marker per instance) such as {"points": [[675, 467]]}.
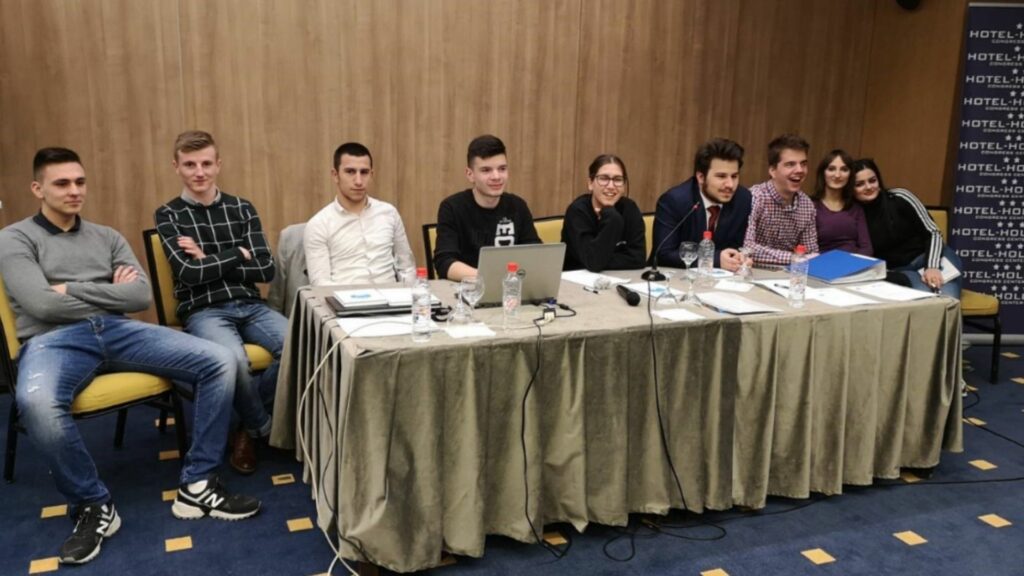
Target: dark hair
{"points": [[785, 142], [819, 184], [352, 149], [716, 148], [54, 155], [867, 164], [607, 159], [484, 147], [193, 141]]}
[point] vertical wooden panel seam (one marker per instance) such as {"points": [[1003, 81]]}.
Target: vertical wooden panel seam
{"points": [[576, 170], [181, 66]]}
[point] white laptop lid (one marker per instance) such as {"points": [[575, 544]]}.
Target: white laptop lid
{"points": [[540, 268]]}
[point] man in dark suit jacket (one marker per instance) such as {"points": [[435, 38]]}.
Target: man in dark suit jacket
{"points": [[717, 202]]}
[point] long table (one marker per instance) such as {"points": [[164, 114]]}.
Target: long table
{"points": [[415, 448]]}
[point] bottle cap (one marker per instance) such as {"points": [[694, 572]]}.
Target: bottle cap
{"points": [[512, 267], [800, 249], [707, 234], [421, 272]]}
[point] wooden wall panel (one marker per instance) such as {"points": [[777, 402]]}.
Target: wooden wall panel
{"points": [[280, 87], [911, 102], [101, 78], [659, 78], [281, 83]]}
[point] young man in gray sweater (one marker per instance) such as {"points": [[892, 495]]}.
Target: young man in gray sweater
{"points": [[70, 282]]}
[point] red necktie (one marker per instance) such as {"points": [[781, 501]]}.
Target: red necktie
{"points": [[713, 221]]}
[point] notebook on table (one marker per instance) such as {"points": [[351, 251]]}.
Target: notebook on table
{"points": [[540, 269]]}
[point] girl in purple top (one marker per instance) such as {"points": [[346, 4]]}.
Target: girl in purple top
{"points": [[840, 220]]}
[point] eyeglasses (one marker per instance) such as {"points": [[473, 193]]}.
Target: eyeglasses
{"points": [[604, 180]]}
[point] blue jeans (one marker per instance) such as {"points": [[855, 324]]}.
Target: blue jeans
{"points": [[233, 324], [951, 288], [55, 366]]}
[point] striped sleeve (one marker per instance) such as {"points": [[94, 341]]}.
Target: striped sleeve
{"points": [[935, 245]]}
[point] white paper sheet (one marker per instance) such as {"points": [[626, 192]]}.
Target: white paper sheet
{"points": [[733, 286], [779, 286], [476, 330], [889, 291], [398, 297], [836, 297], [591, 279], [733, 303]]}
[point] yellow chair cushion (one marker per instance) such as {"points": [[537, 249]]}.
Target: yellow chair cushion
{"points": [[549, 229], [648, 233], [120, 388], [977, 304], [259, 357]]}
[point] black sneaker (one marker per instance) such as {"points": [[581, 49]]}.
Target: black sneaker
{"points": [[92, 524], [214, 501]]}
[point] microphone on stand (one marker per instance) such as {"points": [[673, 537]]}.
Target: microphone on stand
{"points": [[631, 298], [652, 274]]}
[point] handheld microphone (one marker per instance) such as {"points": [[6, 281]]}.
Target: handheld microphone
{"points": [[631, 298], [652, 274]]}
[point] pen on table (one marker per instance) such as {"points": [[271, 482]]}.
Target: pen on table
{"points": [[590, 289]]}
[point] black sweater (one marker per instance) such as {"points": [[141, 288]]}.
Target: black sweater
{"points": [[463, 227], [901, 229], [614, 241]]}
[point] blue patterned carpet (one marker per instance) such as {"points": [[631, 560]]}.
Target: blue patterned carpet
{"points": [[856, 530]]}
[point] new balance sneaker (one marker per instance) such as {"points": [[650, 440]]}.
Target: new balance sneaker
{"points": [[93, 523], [213, 501]]}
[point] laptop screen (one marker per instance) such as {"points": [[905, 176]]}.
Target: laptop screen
{"points": [[540, 269]]}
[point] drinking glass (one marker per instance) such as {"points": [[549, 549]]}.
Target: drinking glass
{"points": [[744, 273], [472, 289], [688, 253]]}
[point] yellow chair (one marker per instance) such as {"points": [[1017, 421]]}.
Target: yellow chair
{"points": [[162, 279], [429, 243], [549, 229], [649, 235], [114, 392], [979, 310]]}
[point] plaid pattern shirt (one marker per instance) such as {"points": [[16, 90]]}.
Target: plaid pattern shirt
{"points": [[220, 230], [776, 228]]}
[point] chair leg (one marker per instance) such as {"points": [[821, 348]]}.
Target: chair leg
{"points": [[12, 443], [122, 418], [163, 421], [179, 424], [997, 336]]}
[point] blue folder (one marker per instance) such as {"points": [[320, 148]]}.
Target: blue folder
{"points": [[841, 267]]}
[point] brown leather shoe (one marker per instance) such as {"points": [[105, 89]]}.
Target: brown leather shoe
{"points": [[243, 453]]}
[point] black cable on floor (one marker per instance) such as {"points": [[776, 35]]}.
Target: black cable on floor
{"points": [[558, 554]]}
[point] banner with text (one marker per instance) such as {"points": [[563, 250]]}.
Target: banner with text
{"points": [[988, 206]]}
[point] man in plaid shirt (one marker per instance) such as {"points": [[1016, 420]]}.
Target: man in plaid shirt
{"points": [[218, 253], [782, 216]]}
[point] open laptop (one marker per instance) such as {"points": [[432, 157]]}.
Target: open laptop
{"points": [[540, 269]]}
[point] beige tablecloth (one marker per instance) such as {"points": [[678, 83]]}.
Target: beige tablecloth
{"points": [[416, 448]]}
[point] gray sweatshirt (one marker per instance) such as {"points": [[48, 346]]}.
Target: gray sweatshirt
{"points": [[35, 254]]}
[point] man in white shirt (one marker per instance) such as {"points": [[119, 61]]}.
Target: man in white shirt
{"points": [[356, 239]]}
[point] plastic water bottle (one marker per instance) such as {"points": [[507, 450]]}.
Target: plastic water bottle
{"points": [[511, 292], [798, 277], [705, 261], [421, 307]]}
